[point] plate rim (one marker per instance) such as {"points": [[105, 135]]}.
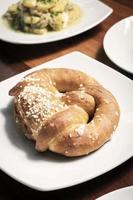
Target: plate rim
{"points": [[106, 49]]}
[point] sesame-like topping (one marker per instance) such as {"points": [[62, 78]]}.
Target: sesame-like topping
{"points": [[74, 144], [70, 135], [116, 113], [114, 127], [106, 101], [30, 79], [69, 101], [58, 94], [98, 116], [52, 124], [75, 105], [93, 123], [81, 85], [54, 83], [50, 82], [39, 103], [80, 130], [93, 136]]}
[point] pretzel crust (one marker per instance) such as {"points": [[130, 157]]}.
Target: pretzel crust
{"points": [[65, 111]]}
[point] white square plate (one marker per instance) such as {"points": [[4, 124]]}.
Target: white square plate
{"points": [[48, 171], [94, 12]]}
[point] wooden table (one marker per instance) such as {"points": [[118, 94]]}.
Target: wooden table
{"points": [[17, 58]]}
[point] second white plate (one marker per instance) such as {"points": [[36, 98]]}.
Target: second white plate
{"points": [[121, 194], [94, 12], [118, 44]]}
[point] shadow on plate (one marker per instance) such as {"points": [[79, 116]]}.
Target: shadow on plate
{"points": [[18, 139]]}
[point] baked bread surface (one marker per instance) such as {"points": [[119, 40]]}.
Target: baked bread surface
{"points": [[65, 111]]}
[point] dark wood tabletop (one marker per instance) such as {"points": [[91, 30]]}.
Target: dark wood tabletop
{"points": [[17, 58]]}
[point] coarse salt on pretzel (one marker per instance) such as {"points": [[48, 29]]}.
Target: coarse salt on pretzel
{"points": [[65, 111]]}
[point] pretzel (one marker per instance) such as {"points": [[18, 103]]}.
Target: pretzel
{"points": [[65, 111]]}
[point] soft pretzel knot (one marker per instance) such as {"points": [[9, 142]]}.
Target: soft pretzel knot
{"points": [[65, 111]]}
